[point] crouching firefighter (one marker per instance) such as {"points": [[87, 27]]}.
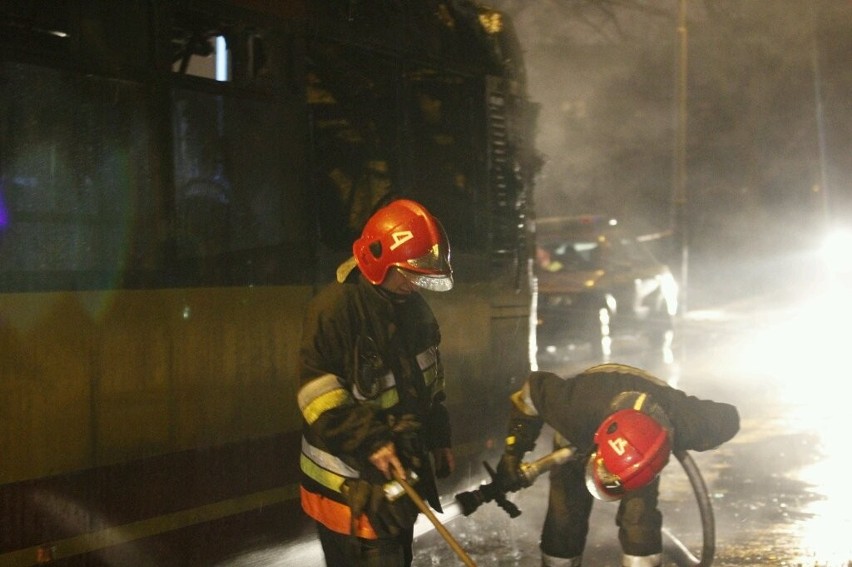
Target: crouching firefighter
{"points": [[372, 390], [622, 425]]}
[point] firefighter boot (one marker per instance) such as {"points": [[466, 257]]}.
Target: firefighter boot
{"points": [[655, 560], [551, 561]]}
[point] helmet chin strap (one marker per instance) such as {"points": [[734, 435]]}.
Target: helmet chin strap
{"points": [[394, 297]]}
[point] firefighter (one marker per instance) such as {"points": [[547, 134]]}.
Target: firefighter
{"points": [[372, 390], [622, 424]]}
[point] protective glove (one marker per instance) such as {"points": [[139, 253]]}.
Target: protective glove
{"points": [[387, 517], [522, 433], [394, 516], [509, 476], [523, 430], [405, 429]]}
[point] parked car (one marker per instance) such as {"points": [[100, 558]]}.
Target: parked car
{"points": [[597, 280]]}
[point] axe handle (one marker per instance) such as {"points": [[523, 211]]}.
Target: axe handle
{"points": [[435, 522]]}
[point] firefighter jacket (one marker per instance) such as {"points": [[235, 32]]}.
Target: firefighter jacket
{"points": [[367, 361], [576, 406]]}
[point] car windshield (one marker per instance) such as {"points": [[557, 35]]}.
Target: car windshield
{"points": [[581, 254]]}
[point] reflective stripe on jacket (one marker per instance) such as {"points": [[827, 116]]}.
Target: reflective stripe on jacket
{"points": [[363, 360], [325, 393]]}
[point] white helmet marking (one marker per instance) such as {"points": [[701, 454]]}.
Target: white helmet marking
{"points": [[400, 238], [619, 445]]}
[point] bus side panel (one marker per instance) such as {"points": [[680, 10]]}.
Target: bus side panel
{"points": [[45, 385], [127, 406], [164, 227]]}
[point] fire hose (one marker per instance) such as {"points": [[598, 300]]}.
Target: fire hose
{"points": [[705, 509], [470, 501]]}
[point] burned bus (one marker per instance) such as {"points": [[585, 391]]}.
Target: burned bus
{"points": [[177, 179]]}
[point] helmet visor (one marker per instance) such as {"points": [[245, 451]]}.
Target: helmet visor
{"points": [[432, 282], [432, 270], [601, 483]]}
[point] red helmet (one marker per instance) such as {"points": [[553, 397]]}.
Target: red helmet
{"points": [[404, 234], [632, 449]]}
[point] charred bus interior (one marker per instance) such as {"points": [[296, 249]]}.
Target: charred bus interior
{"points": [[176, 180]]}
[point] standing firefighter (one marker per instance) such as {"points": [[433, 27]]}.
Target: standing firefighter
{"points": [[372, 390], [623, 424]]}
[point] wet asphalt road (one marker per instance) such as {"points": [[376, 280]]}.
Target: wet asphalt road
{"points": [[778, 489]]}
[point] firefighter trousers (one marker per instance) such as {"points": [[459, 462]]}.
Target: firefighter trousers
{"points": [[343, 550], [566, 523]]}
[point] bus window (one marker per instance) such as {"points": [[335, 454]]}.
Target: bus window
{"points": [[238, 154], [208, 58], [238, 189], [223, 50], [76, 181], [200, 47], [443, 153], [355, 118]]}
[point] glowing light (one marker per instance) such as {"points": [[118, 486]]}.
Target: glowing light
{"points": [[492, 22], [828, 525], [4, 214], [802, 356], [837, 251], [221, 59]]}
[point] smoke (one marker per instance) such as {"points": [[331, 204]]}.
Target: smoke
{"points": [[766, 83]]}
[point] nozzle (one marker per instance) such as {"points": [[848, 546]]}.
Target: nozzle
{"points": [[470, 501], [393, 489]]}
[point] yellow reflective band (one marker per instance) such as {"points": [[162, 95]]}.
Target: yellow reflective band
{"points": [[333, 399], [386, 382], [640, 401], [428, 361], [327, 461], [430, 375], [325, 477], [388, 398], [438, 386], [624, 369], [315, 388], [511, 439], [428, 358]]}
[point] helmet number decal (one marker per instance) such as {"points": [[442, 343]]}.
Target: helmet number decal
{"points": [[619, 445], [400, 238]]}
